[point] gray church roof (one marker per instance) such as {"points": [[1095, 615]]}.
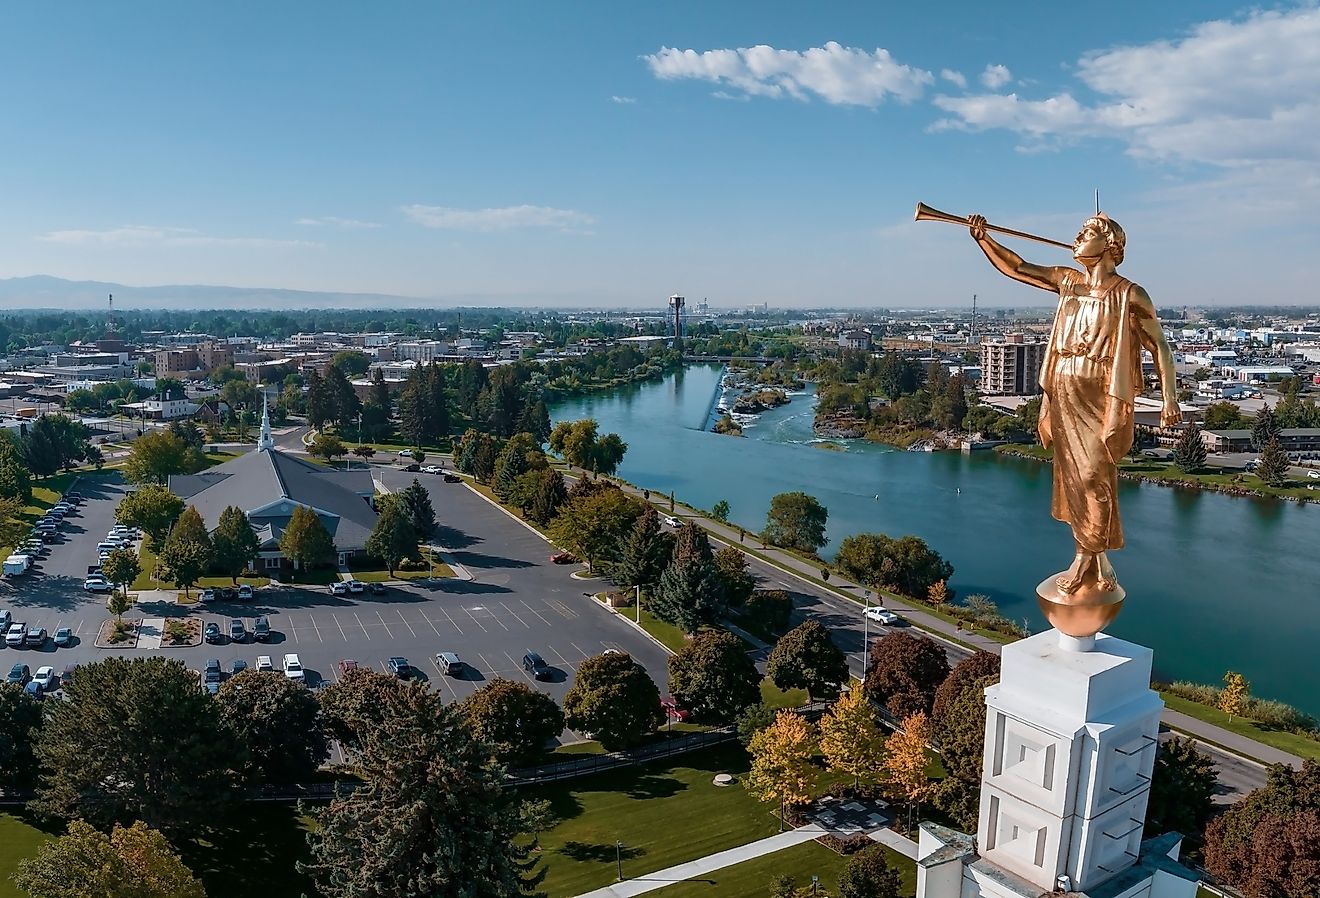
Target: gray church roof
{"points": [[269, 484]]}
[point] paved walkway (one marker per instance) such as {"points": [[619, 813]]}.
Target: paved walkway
{"points": [[709, 864]]}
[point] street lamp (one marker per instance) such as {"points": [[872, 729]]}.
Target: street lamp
{"points": [[866, 630], [618, 857], [639, 603], [815, 880]]}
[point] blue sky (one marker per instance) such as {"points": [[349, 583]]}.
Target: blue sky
{"points": [[611, 154]]}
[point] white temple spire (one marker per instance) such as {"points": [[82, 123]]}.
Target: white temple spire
{"points": [[265, 441]]}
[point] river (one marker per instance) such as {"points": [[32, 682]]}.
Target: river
{"points": [[1214, 582]]}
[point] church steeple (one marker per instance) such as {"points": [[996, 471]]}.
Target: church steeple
{"points": [[265, 441]]}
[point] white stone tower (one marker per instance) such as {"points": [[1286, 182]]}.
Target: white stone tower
{"points": [[265, 440]]}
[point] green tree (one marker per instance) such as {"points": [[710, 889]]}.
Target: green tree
{"points": [[55, 442], [579, 444], [796, 521], [152, 509], [868, 875], [155, 456], [549, 498], [1273, 467], [960, 732], [752, 720], [850, 739], [105, 760], [736, 579], [720, 511], [768, 611], [278, 723], [1264, 427], [414, 502], [807, 658], [712, 676], [904, 672], [86, 863], [432, 816], [186, 554], [906, 565], [515, 720], [690, 592], [15, 479], [594, 526], [393, 539], [118, 602], [1189, 452], [353, 707], [614, 698], [20, 715], [1223, 416], [121, 567], [966, 672], [1182, 789], [511, 464], [234, 544], [644, 554], [328, 446], [305, 540]]}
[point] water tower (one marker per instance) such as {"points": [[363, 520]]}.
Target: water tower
{"points": [[676, 304]]}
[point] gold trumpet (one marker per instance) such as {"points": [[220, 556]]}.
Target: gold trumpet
{"points": [[926, 213]]}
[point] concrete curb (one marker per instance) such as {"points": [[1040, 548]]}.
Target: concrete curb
{"points": [[494, 504], [447, 556], [630, 622]]}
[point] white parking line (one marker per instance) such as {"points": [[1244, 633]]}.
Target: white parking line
{"points": [[452, 621], [362, 625], [490, 668], [475, 621], [515, 616], [293, 628], [316, 627], [537, 613], [340, 626], [406, 624], [494, 617], [388, 632], [429, 622], [569, 664], [519, 667], [579, 648]]}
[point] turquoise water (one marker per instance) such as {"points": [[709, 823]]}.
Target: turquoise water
{"points": [[1214, 582]]}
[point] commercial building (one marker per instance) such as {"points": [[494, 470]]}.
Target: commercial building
{"points": [[855, 339], [1291, 439], [1010, 365]]}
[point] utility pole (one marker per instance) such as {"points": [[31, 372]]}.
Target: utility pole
{"points": [[618, 857]]}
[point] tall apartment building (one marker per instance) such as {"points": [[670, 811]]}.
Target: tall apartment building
{"points": [[1010, 365], [423, 351], [170, 362], [215, 355]]}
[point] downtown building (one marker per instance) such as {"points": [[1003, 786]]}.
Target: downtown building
{"points": [[1010, 365]]}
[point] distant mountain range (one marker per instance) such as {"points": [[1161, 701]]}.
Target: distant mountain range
{"points": [[45, 292]]}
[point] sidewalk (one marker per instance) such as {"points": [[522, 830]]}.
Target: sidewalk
{"points": [[692, 869], [842, 586]]}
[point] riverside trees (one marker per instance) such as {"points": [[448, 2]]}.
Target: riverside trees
{"points": [[579, 444], [796, 521], [690, 592]]}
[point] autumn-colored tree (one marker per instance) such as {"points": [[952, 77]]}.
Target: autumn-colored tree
{"points": [[959, 729], [849, 737], [85, 862], [904, 672], [1233, 698], [938, 593], [905, 759], [781, 761], [965, 672], [1268, 844]]}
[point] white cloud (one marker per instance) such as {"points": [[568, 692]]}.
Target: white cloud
{"points": [[957, 78], [1231, 92], [836, 74], [501, 219], [336, 221], [996, 76], [624, 100], [149, 236]]}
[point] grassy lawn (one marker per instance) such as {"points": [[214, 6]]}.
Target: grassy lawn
{"points": [[250, 854], [751, 879], [665, 813], [214, 582], [1280, 739], [367, 571], [45, 493], [774, 697]]}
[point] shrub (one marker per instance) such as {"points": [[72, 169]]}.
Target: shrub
{"points": [[768, 611]]}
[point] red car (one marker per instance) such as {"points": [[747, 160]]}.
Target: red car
{"points": [[346, 665], [673, 710], [563, 558]]}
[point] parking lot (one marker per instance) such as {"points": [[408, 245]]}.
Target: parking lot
{"points": [[516, 601]]}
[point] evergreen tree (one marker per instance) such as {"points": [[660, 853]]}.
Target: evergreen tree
{"points": [[415, 504], [641, 563], [550, 495], [432, 816], [536, 421], [511, 464], [234, 544], [465, 454], [187, 552], [690, 592], [320, 403], [1273, 466], [1189, 452], [484, 458], [393, 539], [437, 396], [1264, 428], [1182, 789]]}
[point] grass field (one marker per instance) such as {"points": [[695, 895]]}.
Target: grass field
{"points": [[251, 854], [368, 572], [751, 879], [1280, 739]]}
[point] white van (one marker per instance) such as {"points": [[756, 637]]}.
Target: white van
{"points": [[17, 564]]}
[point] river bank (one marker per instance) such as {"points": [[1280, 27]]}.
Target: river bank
{"points": [[1215, 582]]}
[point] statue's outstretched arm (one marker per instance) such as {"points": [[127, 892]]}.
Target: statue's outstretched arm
{"points": [[1009, 262]]}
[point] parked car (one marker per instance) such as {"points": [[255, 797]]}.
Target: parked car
{"points": [[97, 583], [293, 668], [339, 588], [36, 690], [376, 589], [6, 618], [673, 710], [449, 664], [263, 663], [413, 468], [563, 558], [881, 615], [430, 469], [356, 586], [245, 592], [63, 637], [208, 595], [237, 631], [212, 676], [261, 630], [19, 674], [227, 593], [14, 635], [213, 634], [1314, 475], [535, 665], [45, 675], [35, 638], [237, 666], [452, 478], [346, 665], [400, 667], [670, 521], [66, 675]]}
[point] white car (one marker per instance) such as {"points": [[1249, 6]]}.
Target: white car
{"points": [[293, 668], [339, 588], [430, 469], [1314, 475], [882, 615], [670, 521], [14, 638], [263, 663], [45, 676], [96, 583], [356, 586]]}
